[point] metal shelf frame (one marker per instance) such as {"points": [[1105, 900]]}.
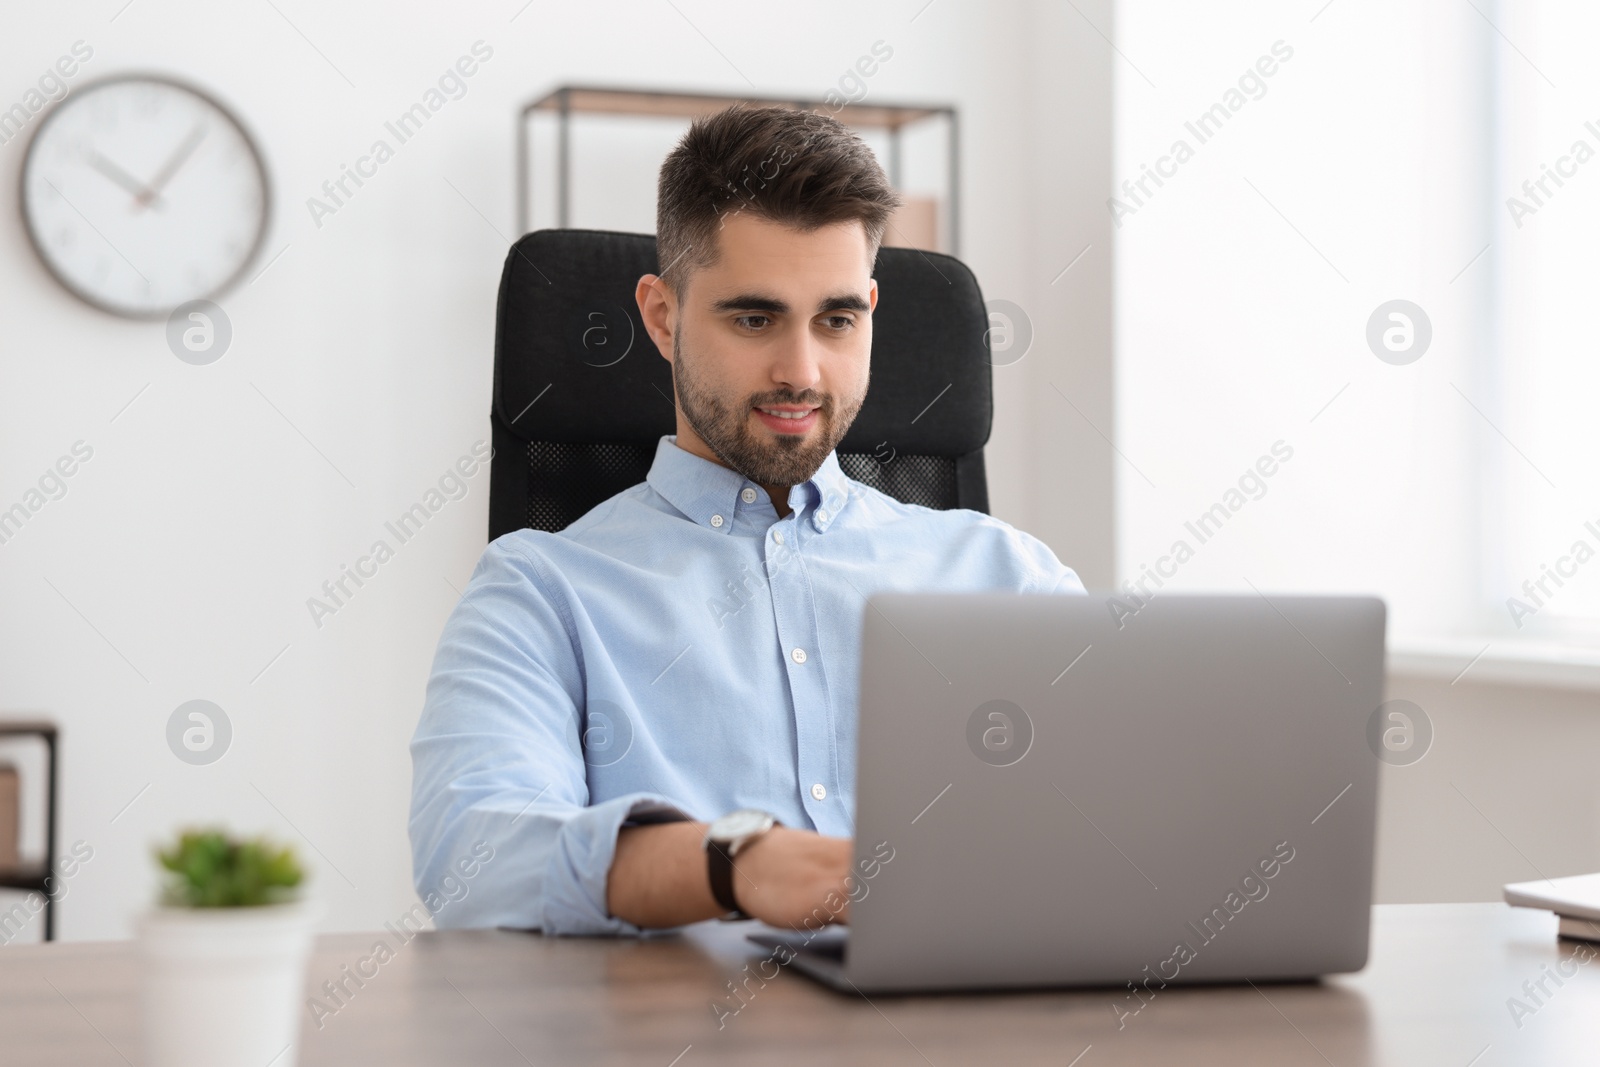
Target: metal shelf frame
{"points": [[568, 101]]}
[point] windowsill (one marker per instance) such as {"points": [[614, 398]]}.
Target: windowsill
{"points": [[1505, 661]]}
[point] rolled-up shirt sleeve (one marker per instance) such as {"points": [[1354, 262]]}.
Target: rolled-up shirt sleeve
{"points": [[498, 775]]}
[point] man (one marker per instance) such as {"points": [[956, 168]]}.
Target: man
{"points": [[689, 648]]}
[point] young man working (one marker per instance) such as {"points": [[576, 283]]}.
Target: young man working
{"points": [[649, 717]]}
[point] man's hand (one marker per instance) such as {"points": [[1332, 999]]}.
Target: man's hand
{"points": [[786, 877]]}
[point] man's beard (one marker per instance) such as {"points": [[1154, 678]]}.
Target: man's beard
{"points": [[782, 459]]}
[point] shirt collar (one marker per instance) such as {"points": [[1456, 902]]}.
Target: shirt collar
{"points": [[709, 493]]}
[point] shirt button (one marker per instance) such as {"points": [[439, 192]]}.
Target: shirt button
{"points": [[819, 791], [798, 655], [716, 520], [777, 536], [822, 516], [748, 495]]}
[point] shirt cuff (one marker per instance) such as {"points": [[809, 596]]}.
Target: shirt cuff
{"points": [[580, 864]]}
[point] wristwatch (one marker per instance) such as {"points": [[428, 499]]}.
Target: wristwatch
{"points": [[726, 837]]}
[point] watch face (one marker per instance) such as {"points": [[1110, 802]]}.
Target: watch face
{"points": [[141, 193], [742, 823]]}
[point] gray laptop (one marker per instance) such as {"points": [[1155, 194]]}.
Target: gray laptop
{"points": [[1060, 790]]}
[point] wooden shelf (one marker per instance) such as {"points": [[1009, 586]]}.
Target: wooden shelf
{"points": [[649, 102], [28, 876], [27, 728]]}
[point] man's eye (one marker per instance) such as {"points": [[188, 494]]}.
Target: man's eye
{"points": [[751, 322], [839, 323]]}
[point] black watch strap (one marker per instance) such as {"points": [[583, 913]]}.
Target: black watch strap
{"points": [[719, 865]]}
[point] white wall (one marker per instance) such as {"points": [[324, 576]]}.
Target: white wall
{"points": [[1066, 394], [182, 556], [1507, 793]]}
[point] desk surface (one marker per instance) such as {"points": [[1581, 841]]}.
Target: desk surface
{"points": [[1435, 992]]}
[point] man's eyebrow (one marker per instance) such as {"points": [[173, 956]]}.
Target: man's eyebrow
{"points": [[843, 302], [772, 305], [751, 302]]}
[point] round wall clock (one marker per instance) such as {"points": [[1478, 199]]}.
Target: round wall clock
{"points": [[141, 193]]}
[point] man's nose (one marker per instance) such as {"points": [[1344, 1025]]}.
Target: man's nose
{"points": [[798, 362]]}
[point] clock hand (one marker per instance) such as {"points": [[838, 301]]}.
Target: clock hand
{"points": [[177, 160], [118, 175]]}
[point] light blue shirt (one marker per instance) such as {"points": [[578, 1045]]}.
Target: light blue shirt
{"points": [[678, 652]]}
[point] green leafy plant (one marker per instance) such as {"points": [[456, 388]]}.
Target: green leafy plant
{"points": [[213, 869]]}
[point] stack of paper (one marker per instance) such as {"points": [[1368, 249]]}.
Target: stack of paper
{"points": [[1575, 900]]}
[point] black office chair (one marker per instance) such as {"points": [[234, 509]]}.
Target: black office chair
{"points": [[581, 395]]}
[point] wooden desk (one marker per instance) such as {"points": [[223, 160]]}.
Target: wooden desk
{"points": [[1434, 993]]}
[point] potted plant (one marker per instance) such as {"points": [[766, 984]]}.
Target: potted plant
{"points": [[224, 954]]}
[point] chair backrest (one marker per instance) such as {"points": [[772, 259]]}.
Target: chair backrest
{"points": [[581, 394]]}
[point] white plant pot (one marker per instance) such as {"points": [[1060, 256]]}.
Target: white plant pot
{"points": [[223, 986]]}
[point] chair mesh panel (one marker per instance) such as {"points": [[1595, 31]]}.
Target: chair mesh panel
{"points": [[926, 480], [565, 481]]}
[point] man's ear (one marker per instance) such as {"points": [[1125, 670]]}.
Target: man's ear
{"points": [[873, 298], [658, 308]]}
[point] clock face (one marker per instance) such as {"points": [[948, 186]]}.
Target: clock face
{"points": [[141, 194]]}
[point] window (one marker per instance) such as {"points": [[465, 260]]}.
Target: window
{"points": [[1337, 157], [1543, 506]]}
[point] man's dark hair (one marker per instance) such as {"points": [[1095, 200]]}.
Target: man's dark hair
{"points": [[797, 168]]}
